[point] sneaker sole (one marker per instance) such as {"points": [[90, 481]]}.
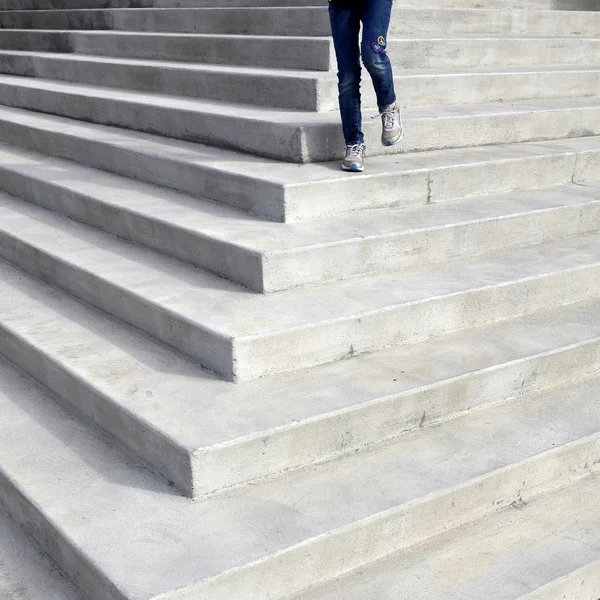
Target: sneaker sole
{"points": [[353, 169], [392, 141]]}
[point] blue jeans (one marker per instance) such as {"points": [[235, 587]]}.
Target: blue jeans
{"points": [[345, 17]]}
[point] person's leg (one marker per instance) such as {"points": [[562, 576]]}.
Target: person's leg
{"points": [[345, 26], [376, 20]]}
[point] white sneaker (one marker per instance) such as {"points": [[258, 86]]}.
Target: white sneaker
{"points": [[393, 129], [354, 159]]}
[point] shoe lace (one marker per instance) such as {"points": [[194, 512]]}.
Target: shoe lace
{"points": [[354, 150], [389, 117]]}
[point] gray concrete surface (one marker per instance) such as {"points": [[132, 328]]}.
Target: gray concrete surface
{"points": [[288, 192], [419, 376], [25, 572], [309, 52], [303, 90], [301, 136], [248, 537], [207, 317], [289, 52], [547, 549], [200, 432], [310, 21], [269, 257], [70, 4]]}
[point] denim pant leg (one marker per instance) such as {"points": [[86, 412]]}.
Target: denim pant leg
{"points": [[376, 20], [345, 26]]}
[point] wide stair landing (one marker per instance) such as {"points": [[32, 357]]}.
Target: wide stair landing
{"points": [[230, 370]]}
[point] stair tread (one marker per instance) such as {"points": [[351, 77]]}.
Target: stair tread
{"points": [[25, 572], [224, 307], [295, 118], [204, 411], [273, 171], [241, 230], [528, 551], [173, 543], [301, 136], [396, 37], [308, 75], [187, 67]]}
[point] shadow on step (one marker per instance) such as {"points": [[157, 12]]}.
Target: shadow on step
{"points": [[134, 342], [88, 446], [576, 4]]}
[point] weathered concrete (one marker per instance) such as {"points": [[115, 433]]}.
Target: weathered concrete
{"points": [[432, 321], [285, 192], [302, 90], [242, 539], [268, 257], [310, 21], [301, 136], [550, 545], [207, 318], [308, 52], [25, 573], [202, 438]]}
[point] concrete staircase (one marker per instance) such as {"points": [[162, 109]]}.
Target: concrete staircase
{"points": [[230, 370]]}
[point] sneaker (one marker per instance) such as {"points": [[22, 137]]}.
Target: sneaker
{"points": [[354, 159], [393, 130]]}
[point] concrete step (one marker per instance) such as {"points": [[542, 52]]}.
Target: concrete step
{"points": [[290, 52], [299, 136], [309, 21], [479, 51], [65, 480], [268, 257], [208, 318], [25, 573], [546, 549], [87, 4], [285, 192], [302, 90], [204, 434], [314, 53]]}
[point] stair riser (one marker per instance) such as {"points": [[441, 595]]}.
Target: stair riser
{"points": [[216, 255], [441, 184], [582, 584], [467, 53], [249, 358], [99, 4], [161, 454], [277, 272], [328, 342], [309, 21], [312, 54], [78, 4], [388, 417], [480, 88], [307, 93], [293, 143], [212, 350], [258, 90], [54, 544], [299, 202], [414, 249], [361, 543]]}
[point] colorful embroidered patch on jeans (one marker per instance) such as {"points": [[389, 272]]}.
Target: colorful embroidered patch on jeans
{"points": [[379, 45]]}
